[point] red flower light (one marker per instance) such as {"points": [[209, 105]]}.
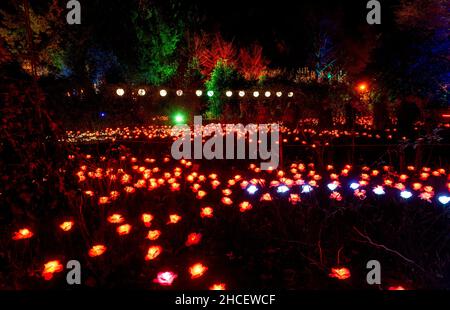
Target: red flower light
{"points": [[66, 226], [50, 268], [340, 273], [218, 287], [227, 201], [153, 252], [174, 218], [266, 197], [165, 278], [153, 234], [193, 239], [23, 233], [206, 212], [245, 206], [147, 218], [197, 270], [123, 229], [97, 250], [116, 218], [396, 288]]}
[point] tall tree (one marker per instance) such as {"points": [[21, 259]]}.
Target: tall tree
{"points": [[158, 41]]}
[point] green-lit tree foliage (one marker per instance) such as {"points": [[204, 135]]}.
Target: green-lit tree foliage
{"points": [[223, 76], [158, 41]]}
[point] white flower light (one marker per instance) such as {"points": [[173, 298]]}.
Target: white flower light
{"points": [[241, 93], [279, 94], [229, 93], [256, 94], [210, 93], [267, 94], [163, 92], [406, 194], [179, 93], [332, 186], [141, 92], [354, 186], [378, 190], [290, 94], [199, 93], [444, 199], [252, 189], [307, 188], [282, 189]]}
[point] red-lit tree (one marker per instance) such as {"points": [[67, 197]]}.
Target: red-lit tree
{"points": [[209, 55], [252, 64]]}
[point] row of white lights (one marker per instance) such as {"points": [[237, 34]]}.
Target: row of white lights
{"points": [[163, 93]]}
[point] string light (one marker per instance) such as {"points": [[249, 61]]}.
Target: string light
{"points": [[120, 92], [163, 92], [199, 93], [141, 92]]}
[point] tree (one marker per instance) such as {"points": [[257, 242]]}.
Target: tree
{"points": [[222, 77], [252, 64], [209, 55], [46, 36], [157, 45]]}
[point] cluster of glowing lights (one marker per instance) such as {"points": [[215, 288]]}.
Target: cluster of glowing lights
{"points": [[293, 185], [229, 93]]}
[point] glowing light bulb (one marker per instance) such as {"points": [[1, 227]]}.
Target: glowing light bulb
{"points": [[406, 194], [163, 92]]}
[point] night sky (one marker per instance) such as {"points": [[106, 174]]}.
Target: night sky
{"points": [[284, 28]]}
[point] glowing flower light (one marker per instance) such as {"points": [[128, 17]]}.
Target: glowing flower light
{"points": [[405, 194], [245, 206], [147, 218], [252, 189], [174, 218], [197, 270], [116, 218], [153, 234], [67, 225], [396, 288], [193, 239], [332, 186], [206, 212], [50, 268], [23, 233], [444, 199], [340, 273], [165, 278], [354, 185], [199, 93], [153, 252], [97, 250], [163, 92], [256, 94], [266, 197], [282, 189], [229, 93], [307, 188], [379, 190], [141, 92], [241, 93], [123, 229], [218, 287], [227, 201], [210, 93]]}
